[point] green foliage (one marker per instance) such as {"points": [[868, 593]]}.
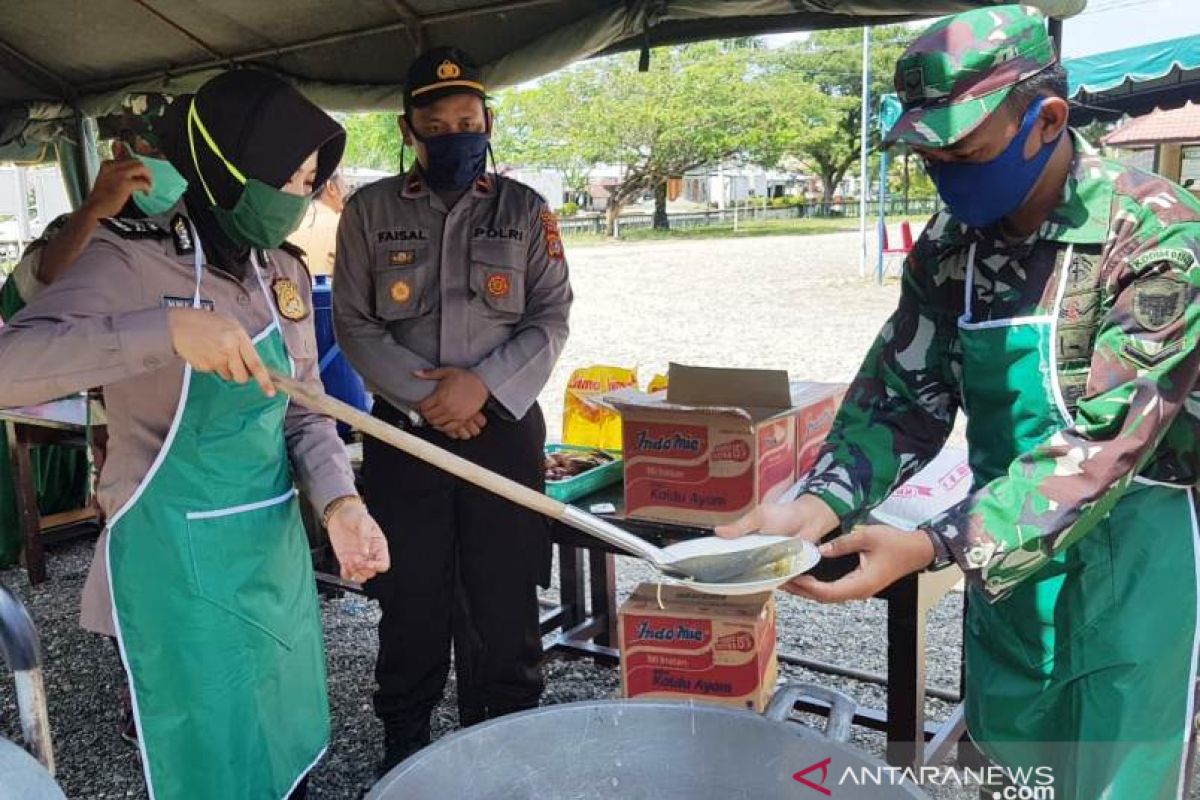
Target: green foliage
{"points": [[787, 201], [697, 105], [373, 141], [1095, 131], [569, 209], [814, 93], [920, 186]]}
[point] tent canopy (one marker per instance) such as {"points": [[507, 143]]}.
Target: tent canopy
{"points": [[1135, 80], [64, 60], [352, 55]]}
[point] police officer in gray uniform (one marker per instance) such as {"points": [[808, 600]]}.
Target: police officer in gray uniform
{"points": [[451, 300]]}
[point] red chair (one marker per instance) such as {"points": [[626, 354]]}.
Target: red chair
{"points": [[901, 252]]}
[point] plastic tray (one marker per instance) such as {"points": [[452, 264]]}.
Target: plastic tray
{"points": [[587, 482]]}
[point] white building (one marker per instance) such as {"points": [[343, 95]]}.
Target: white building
{"points": [[728, 184], [358, 177], [548, 183], [32, 197]]}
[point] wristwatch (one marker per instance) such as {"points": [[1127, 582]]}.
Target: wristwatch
{"points": [[942, 557]]}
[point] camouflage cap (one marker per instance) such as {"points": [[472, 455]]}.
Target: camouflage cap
{"points": [[962, 68]]}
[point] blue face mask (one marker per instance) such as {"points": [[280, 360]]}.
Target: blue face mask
{"points": [[982, 194], [456, 160]]}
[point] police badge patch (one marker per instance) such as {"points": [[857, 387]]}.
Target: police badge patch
{"points": [[288, 299], [401, 291], [499, 285], [1158, 302]]}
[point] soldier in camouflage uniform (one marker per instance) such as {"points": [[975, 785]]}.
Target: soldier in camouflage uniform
{"points": [[1054, 302]]}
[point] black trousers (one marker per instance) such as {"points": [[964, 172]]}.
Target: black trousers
{"points": [[465, 570]]}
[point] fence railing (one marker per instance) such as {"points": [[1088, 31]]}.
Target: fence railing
{"points": [[705, 219]]}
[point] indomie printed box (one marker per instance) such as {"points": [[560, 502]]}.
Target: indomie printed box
{"points": [[719, 443], [817, 405], [715, 648]]}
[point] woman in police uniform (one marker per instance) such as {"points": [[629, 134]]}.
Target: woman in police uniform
{"points": [[204, 573]]}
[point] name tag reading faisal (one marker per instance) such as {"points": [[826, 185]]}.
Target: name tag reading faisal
{"points": [[289, 300]]}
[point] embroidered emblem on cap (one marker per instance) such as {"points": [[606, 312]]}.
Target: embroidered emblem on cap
{"points": [[498, 285], [401, 291], [288, 299], [448, 70], [914, 84]]}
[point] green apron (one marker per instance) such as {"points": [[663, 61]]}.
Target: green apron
{"points": [[214, 599], [1088, 666]]}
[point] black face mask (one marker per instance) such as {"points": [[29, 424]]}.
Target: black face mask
{"points": [[456, 160]]}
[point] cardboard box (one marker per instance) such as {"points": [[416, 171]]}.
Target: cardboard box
{"points": [[713, 648], [943, 482], [818, 404], [720, 442]]}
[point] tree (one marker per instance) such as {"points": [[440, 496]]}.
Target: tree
{"points": [[814, 89], [694, 107], [373, 141]]}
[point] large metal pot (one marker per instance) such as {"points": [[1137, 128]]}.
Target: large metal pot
{"points": [[635, 750], [22, 775]]}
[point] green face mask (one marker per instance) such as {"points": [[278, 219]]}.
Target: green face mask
{"points": [[166, 187], [263, 215]]}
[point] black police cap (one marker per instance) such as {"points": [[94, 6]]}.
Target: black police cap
{"points": [[440, 72]]}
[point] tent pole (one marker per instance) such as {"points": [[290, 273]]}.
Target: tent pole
{"points": [[87, 159], [23, 232], [883, 168], [1056, 31], [862, 152]]}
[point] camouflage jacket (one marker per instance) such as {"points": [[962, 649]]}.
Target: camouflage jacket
{"points": [[1135, 405]]}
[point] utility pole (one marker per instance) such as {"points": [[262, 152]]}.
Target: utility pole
{"points": [[862, 152]]}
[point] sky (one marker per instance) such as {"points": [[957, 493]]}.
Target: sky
{"points": [[1110, 25]]}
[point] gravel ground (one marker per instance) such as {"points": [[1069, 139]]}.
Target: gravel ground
{"points": [[783, 302], [84, 676], [780, 302]]}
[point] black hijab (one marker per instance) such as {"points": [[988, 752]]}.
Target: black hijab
{"points": [[265, 128]]}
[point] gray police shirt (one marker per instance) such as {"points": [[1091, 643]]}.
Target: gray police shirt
{"points": [[482, 286]]}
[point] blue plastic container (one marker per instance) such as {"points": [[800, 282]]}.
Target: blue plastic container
{"points": [[340, 379]]}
